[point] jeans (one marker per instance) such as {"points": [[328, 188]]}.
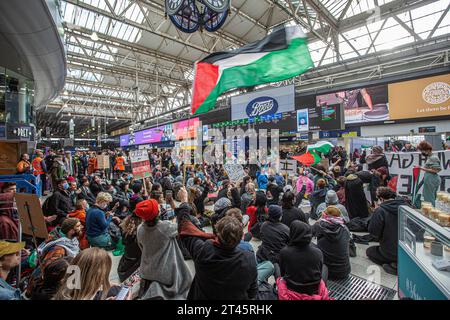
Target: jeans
{"points": [[265, 270]]}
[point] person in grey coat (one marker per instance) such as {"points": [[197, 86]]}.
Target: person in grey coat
{"points": [[164, 273], [331, 199]]}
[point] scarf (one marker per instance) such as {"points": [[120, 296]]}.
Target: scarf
{"points": [[333, 220], [377, 154], [58, 238]]}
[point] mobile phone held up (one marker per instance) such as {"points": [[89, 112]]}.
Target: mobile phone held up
{"points": [[123, 293]]}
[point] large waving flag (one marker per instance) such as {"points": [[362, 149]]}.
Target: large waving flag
{"points": [[310, 157], [281, 55]]}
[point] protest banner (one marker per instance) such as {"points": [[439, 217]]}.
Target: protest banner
{"points": [[140, 164], [401, 165], [234, 171], [103, 161]]}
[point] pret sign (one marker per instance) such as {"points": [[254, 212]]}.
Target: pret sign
{"points": [[20, 132]]}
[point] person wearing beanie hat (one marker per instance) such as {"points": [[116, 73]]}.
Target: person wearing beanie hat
{"points": [[220, 208], [331, 199], [164, 274], [274, 236], [333, 239], [147, 210], [9, 259]]}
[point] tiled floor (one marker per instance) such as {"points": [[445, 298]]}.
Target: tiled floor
{"points": [[361, 266]]}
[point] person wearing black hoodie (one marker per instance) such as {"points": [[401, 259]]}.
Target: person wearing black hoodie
{"points": [[301, 263], [222, 270], [52, 278], [274, 236], [333, 238], [273, 191], [291, 213], [355, 198], [384, 226]]}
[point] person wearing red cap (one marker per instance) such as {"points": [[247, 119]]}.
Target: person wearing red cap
{"points": [[163, 271]]}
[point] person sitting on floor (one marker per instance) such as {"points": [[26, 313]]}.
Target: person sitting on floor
{"points": [[59, 203], [333, 238], [164, 275], [331, 199], [80, 213], [222, 271], [47, 287], [9, 260], [303, 274], [291, 213], [97, 223], [384, 226], [274, 236], [131, 259]]}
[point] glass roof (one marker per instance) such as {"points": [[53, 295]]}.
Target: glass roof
{"points": [[374, 36]]}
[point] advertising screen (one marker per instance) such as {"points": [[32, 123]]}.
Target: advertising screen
{"points": [[367, 104], [186, 129], [124, 140], [148, 135], [302, 120], [426, 97]]}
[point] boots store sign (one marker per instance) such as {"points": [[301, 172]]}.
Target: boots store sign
{"points": [[20, 132], [263, 103]]}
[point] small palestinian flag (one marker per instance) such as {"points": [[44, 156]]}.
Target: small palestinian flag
{"points": [[417, 187], [311, 158], [308, 159], [281, 55]]}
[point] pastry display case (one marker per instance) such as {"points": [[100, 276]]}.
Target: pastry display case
{"points": [[423, 256]]}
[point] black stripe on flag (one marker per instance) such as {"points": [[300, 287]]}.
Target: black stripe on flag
{"points": [[272, 42]]}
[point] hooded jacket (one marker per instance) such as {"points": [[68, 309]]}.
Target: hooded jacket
{"points": [[220, 273], [274, 237], [9, 224], [384, 226], [59, 204], [300, 261], [333, 240]]}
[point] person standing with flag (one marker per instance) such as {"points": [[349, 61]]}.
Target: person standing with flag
{"points": [[431, 179]]}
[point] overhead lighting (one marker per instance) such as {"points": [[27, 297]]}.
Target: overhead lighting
{"points": [[115, 118], [94, 36], [129, 111], [65, 105], [69, 114], [66, 92]]}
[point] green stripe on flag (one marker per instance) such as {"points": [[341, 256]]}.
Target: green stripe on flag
{"points": [[276, 66]]}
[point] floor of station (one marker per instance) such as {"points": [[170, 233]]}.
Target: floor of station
{"points": [[361, 265]]}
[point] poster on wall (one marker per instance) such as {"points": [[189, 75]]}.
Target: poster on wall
{"points": [[302, 120], [140, 164], [368, 104], [401, 164], [263, 103], [426, 97]]}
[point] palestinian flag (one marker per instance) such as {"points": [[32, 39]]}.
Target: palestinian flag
{"points": [[321, 146], [311, 158], [308, 159], [281, 55]]}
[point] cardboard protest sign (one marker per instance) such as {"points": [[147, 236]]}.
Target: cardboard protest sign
{"points": [[401, 165], [234, 171], [140, 164], [103, 161], [31, 216], [288, 166]]}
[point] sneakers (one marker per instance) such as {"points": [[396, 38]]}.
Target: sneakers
{"points": [[390, 268]]}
